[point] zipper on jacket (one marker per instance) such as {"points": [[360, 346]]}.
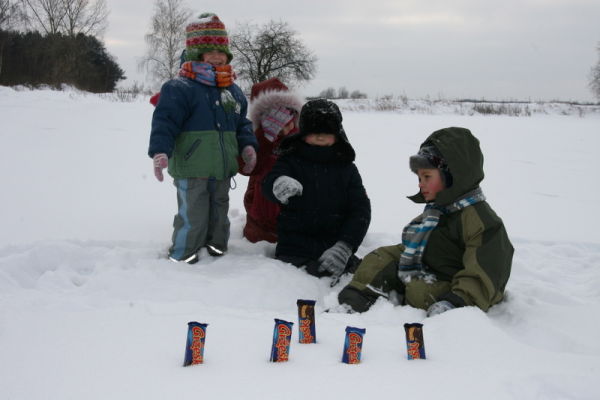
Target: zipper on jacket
{"points": [[220, 130], [192, 149]]}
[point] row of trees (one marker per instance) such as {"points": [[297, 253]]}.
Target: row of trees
{"points": [[342, 93], [55, 42], [55, 59]]}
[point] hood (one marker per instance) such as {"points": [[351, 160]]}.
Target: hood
{"points": [[320, 116], [270, 99], [463, 155]]}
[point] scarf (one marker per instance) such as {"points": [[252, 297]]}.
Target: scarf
{"points": [[416, 234], [205, 73]]}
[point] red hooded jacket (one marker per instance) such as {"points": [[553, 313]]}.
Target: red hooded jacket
{"points": [[261, 214]]}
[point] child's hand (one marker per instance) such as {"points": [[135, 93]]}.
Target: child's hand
{"points": [[334, 259], [285, 187], [161, 161], [249, 158]]}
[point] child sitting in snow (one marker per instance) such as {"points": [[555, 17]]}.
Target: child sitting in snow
{"points": [[457, 253], [274, 112], [325, 210]]}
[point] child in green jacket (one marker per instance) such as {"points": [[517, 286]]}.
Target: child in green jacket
{"points": [[199, 128], [457, 253]]}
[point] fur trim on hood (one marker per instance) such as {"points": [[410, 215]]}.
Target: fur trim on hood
{"points": [[272, 99]]}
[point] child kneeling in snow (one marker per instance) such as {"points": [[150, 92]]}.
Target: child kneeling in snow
{"points": [[457, 253], [325, 210]]}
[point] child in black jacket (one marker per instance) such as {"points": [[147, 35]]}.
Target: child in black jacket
{"points": [[325, 210]]}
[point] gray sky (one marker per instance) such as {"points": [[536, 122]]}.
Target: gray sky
{"points": [[524, 50]]}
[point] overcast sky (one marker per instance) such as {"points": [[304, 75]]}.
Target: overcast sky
{"points": [[512, 49]]}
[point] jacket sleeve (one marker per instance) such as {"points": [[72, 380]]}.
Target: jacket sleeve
{"points": [[171, 112], [358, 214], [244, 133], [487, 261]]}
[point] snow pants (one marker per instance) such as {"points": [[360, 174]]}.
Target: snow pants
{"points": [[201, 218], [377, 275]]}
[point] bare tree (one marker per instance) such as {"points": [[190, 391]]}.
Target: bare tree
{"points": [[343, 93], [11, 14], [70, 17], [595, 77], [85, 16], [166, 39], [357, 94], [328, 93], [271, 50], [45, 15]]}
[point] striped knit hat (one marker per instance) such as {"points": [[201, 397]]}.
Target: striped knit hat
{"points": [[206, 34]]}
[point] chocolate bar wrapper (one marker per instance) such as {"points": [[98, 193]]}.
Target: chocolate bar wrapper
{"points": [[353, 345], [282, 336], [414, 341], [194, 348], [306, 321]]}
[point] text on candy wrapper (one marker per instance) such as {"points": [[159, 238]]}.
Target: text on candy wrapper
{"points": [[197, 345], [413, 350], [306, 333], [282, 342], [353, 350]]}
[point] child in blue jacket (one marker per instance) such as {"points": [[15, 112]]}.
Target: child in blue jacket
{"points": [[199, 128]]}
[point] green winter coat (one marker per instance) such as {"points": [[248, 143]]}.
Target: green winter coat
{"points": [[469, 251]]}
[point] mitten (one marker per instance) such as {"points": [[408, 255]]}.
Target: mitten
{"points": [[224, 75], [285, 187], [274, 120], [249, 157], [334, 259], [161, 161], [439, 307]]}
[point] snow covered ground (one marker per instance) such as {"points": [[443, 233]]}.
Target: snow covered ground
{"points": [[90, 308]]}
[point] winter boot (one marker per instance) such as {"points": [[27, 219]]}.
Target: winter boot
{"points": [[357, 300]]}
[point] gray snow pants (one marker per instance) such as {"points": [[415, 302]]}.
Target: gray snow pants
{"points": [[202, 218]]}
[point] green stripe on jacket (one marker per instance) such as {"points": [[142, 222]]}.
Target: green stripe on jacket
{"points": [[204, 154]]}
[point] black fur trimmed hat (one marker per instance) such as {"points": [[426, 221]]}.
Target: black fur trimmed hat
{"points": [[320, 116], [429, 157]]}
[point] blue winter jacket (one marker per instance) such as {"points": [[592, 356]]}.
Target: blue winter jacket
{"points": [[201, 128]]}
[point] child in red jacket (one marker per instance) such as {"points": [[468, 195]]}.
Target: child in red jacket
{"points": [[274, 113]]}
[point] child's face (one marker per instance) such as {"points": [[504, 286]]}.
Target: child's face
{"points": [[430, 183], [320, 139], [215, 58]]}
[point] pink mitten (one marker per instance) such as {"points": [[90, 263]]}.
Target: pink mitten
{"points": [[249, 157], [161, 161]]}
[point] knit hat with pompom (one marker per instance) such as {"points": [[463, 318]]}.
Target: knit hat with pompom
{"points": [[205, 34]]}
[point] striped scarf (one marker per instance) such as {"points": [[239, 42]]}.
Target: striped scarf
{"points": [[199, 71], [416, 234], [221, 75]]}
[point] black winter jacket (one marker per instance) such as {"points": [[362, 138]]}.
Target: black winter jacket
{"points": [[334, 204]]}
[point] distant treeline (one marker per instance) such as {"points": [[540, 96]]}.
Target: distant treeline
{"points": [[55, 59]]}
